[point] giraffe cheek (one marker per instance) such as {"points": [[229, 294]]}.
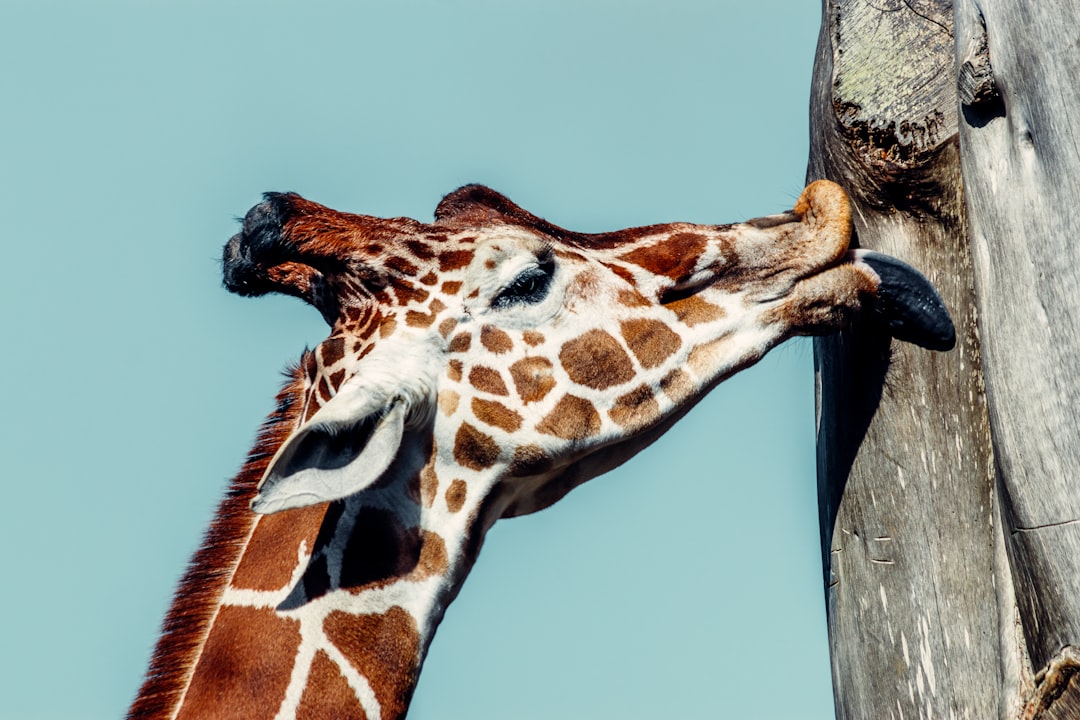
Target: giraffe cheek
{"points": [[532, 378], [596, 360], [572, 418], [651, 341]]}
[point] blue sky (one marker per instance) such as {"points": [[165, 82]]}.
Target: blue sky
{"points": [[684, 584]]}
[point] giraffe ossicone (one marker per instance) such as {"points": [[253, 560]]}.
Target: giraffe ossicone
{"points": [[478, 367]]}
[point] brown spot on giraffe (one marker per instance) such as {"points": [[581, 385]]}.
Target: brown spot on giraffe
{"points": [[448, 401], [454, 370], [447, 326], [529, 460], [409, 293], [454, 259], [327, 695], [651, 341], [677, 385], [451, 287], [532, 378], [632, 298], [331, 351], [496, 414], [354, 313], [455, 495], [401, 266], [572, 418], [596, 360], [387, 327], [324, 390], [434, 559], [271, 554], [421, 250], [474, 449], [495, 340], [692, 310], [487, 380], [337, 378], [623, 273], [422, 320], [310, 365], [242, 660], [675, 258], [384, 649], [532, 338], [429, 482], [429, 279], [636, 408], [461, 343], [419, 319]]}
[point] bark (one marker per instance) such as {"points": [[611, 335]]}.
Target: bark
{"points": [[950, 514], [1018, 63], [904, 462]]}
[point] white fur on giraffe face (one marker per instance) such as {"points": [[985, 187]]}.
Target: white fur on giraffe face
{"points": [[354, 438]]}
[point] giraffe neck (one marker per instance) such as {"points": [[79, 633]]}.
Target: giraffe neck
{"points": [[325, 611]]}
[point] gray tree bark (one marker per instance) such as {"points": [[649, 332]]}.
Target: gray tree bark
{"points": [[1019, 66], [950, 519]]}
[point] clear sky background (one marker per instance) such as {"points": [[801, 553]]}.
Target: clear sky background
{"points": [[133, 133]]}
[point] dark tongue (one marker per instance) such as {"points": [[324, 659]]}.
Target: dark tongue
{"points": [[908, 305]]}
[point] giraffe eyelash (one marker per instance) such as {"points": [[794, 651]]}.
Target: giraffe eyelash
{"points": [[529, 287]]}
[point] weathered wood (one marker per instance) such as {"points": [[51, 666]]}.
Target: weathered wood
{"points": [[904, 463], [1020, 140]]}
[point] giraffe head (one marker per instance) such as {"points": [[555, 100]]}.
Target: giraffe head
{"points": [[503, 360]]}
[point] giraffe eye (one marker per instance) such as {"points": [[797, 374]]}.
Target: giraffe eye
{"points": [[531, 286]]}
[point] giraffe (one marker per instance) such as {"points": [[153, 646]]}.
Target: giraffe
{"points": [[478, 367]]}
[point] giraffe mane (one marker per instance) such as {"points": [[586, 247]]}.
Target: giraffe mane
{"points": [[198, 595]]}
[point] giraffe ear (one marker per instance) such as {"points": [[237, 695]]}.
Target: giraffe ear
{"points": [[344, 448]]}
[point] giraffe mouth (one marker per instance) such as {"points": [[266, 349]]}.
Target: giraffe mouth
{"points": [[906, 304]]}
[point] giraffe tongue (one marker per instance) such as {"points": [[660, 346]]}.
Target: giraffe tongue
{"points": [[907, 304]]}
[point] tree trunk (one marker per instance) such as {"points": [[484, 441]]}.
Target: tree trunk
{"points": [[904, 462], [953, 570], [1019, 62]]}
